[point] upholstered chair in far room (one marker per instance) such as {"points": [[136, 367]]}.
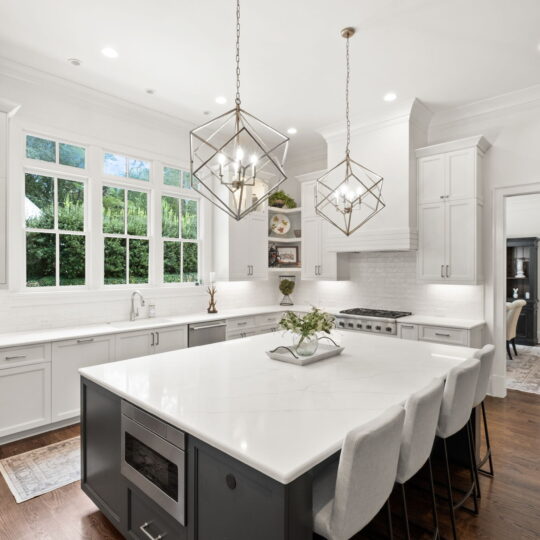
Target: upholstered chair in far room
{"points": [[485, 355], [421, 419], [513, 311], [457, 402], [349, 494]]}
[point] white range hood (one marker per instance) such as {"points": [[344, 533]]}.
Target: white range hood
{"points": [[386, 146]]}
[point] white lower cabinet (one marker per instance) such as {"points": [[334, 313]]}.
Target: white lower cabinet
{"points": [[145, 342], [407, 331], [25, 397], [472, 337], [67, 357]]}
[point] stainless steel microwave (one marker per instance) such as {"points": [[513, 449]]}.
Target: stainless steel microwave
{"points": [[153, 458]]}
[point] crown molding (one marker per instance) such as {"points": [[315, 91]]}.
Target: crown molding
{"points": [[520, 100], [479, 141], [114, 105], [411, 109], [9, 107]]}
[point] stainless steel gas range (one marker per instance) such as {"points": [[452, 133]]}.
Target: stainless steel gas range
{"points": [[370, 320]]}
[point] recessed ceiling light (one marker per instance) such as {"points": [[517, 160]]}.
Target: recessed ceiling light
{"points": [[390, 96], [109, 52], [150, 91], [206, 113], [221, 100], [292, 131], [74, 61]]}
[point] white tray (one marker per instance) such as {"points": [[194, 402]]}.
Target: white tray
{"points": [[323, 351]]}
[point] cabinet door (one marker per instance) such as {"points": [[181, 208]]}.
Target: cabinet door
{"points": [[239, 248], [134, 344], [408, 331], [25, 397], [257, 247], [170, 339], [67, 357], [310, 247], [327, 259], [431, 179], [308, 200], [432, 251], [461, 174], [461, 241]]}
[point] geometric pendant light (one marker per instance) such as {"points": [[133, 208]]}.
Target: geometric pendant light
{"points": [[236, 159], [349, 194]]}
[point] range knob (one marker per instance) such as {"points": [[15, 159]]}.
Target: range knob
{"points": [[388, 328], [368, 326], [350, 325], [359, 325], [377, 328], [341, 323]]}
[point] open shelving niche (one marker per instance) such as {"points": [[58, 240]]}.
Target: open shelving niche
{"points": [[289, 239]]}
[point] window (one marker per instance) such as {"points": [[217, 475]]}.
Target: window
{"points": [[180, 234], [176, 177], [126, 235], [55, 231], [55, 152], [126, 167]]}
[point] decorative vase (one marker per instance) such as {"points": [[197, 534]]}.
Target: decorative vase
{"points": [[286, 301], [515, 295], [305, 346], [520, 272]]}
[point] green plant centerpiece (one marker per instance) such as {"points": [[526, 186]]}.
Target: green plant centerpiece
{"points": [[286, 287], [305, 329], [279, 199]]}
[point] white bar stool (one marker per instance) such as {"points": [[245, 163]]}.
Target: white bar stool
{"points": [[421, 418], [349, 494], [458, 397]]}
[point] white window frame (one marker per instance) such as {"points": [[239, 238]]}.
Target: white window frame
{"points": [[54, 164], [127, 156]]}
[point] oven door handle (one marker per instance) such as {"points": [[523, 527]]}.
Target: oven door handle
{"points": [[143, 528]]}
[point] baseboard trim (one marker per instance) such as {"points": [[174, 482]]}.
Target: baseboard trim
{"points": [[498, 386], [37, 431]]}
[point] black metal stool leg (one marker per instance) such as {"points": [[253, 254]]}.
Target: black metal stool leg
{"points": [[449, 490], [491, 471], [389, 517], [433, 503], [405, 513], [470, 435], [514, 346], [472, 467], [508, 350]]}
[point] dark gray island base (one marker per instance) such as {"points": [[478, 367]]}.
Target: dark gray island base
{"points": [[224, 498]]}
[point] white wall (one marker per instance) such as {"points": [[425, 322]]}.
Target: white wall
{"points": [[387, 280], [523, 216], [48, 104]]}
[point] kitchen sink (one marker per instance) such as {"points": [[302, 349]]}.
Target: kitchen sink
{"points": [[150, 322]]}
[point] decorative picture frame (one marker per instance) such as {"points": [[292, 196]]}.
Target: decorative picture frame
{"points": [[287, 255]]}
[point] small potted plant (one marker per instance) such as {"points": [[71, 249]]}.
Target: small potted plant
{"points": [[286, 287], [280, 199], [305, 329]]}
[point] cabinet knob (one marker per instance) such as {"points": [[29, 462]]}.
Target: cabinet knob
{"points": [[231, 481]]}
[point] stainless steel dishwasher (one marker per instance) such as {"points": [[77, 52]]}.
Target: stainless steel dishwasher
{"points": [[205, 333]]}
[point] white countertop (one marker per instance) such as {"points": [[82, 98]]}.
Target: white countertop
{"points": [[279, 418], [466, 324], [15, 339]]}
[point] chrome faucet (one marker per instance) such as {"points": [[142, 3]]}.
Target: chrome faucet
{"points": [[134, 313]]}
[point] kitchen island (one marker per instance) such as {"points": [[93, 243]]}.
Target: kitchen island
{"points": [[241, 434]]}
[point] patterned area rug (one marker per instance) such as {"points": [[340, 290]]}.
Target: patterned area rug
{"points": [[42, 470], [523, 371]]}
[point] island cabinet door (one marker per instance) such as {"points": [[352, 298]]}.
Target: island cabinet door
{"points": [[101, 479], [235, 502], [67, 357]]}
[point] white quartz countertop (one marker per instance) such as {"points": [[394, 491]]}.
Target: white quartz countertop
{"points": [[14, 339], [278, 418], [466, 324]]}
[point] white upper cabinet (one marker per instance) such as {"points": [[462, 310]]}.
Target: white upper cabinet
{"points": [[318, 262], [450, 211], [240, 247]]}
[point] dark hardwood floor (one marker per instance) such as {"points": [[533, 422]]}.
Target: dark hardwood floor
{"points": [[509, 507]]}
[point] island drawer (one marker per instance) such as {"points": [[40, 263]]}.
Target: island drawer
{"points": [[439, 334], [18, 356], [145, 520]]}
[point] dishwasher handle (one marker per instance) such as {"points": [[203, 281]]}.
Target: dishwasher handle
{"points": [[205, 326]]}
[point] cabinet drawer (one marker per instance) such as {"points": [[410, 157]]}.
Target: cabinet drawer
{"points": [[147, 521], [269, 319], [453, 336], [240, 323], [31, 354], [408, 331]]}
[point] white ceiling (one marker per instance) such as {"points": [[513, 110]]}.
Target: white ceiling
{"points": [[444, 52]]}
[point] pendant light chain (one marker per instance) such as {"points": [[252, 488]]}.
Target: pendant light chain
{"points": [[237, 100], [347, 151]]}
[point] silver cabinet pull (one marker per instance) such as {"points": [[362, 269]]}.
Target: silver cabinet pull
{"points": [[241, 323], [442, 270], [157, 341], [320, 270], [15, 357], [143, 528], [442, 334], [202, 327], [407, 326], [87, 340], [153, 338], [447, 270]]}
